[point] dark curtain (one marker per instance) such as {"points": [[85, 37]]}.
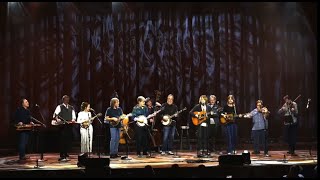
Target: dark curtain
{"points": [[220, 52]]}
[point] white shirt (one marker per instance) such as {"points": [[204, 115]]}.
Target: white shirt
{"points": [[58, 110], [83, 116], [204, 108]]}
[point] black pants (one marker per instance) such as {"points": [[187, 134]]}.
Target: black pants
{"points": [[65, 139], [213, 133], [260, 139], [291, 136], [141, 135], [203, 133], [23, 141]]}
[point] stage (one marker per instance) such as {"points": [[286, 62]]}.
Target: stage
{"points": [[10, 166]]}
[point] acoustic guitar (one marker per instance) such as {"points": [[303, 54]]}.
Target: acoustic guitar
{"points": [[229, 118]]}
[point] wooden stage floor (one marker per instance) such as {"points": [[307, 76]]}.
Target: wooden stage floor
{"points": [[185, 159]]}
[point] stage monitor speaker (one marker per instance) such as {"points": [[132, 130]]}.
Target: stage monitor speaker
{"points": [[231, 160], [85, 161]]}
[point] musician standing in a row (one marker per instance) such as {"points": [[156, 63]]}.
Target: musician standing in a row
{"points": [[259, 128], [86, 128], [290, 112], [65, 111], [214, 124], [202, 130], [23, 116], [168, 108], [141, 132], [231, 127], [112, 114]]}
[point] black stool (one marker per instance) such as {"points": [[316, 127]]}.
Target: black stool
{"points": [[184, 130]]}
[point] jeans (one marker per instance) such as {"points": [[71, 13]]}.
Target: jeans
{"points": [[231, 134], [114, 142], [260, 138], [168, 137], [23, 141]]}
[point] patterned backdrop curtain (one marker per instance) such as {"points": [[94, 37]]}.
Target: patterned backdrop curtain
{"points": [[219, 52]]}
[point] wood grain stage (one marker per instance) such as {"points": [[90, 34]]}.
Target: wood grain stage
{"points": [[11, 166]]}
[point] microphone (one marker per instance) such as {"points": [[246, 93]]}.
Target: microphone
{"points": [[217, 102], [92, 110], [37, 105]]}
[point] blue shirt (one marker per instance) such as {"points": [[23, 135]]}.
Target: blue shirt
{"points": [[138, 111], [259, 122], [111, 112]]}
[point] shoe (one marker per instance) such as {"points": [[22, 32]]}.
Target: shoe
{"points": [[229, 153], [234, 152], [23, 158], [200, 155], [139, 156], [267, 155], [67, 155], [294, 154], [117, 155], [145, 153], [163, 153], [63, 160], [170, 153], [112, 156]]}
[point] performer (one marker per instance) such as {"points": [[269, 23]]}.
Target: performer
{"points": [[86, 128], [290, 112], [260, 127], [168, 108], [23, 116], [112, 114], [231, 127], [66, 112], [214, 124], [202, 130], [140, 110]]}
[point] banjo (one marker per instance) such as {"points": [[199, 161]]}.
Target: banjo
{"points": [[167, 119], [143, 120]]}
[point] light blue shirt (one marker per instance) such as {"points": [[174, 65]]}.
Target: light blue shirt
{"points": [[259, 122]]}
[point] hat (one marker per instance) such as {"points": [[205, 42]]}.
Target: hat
{"points": [[148, 99], [141, 98]]}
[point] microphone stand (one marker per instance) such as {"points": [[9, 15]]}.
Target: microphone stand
{"points": [[178, 135], [99, 136], [127, 146], [39, 141]]}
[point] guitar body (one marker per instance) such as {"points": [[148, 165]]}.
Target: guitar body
{"points": [[142, 121], [56, 123], [228, 118], [27, 127], [124, 119], [166, 120], [202, 116], [87, 123]]}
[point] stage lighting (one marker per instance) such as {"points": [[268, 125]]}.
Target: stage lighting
{"points": [[246, 157]]}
